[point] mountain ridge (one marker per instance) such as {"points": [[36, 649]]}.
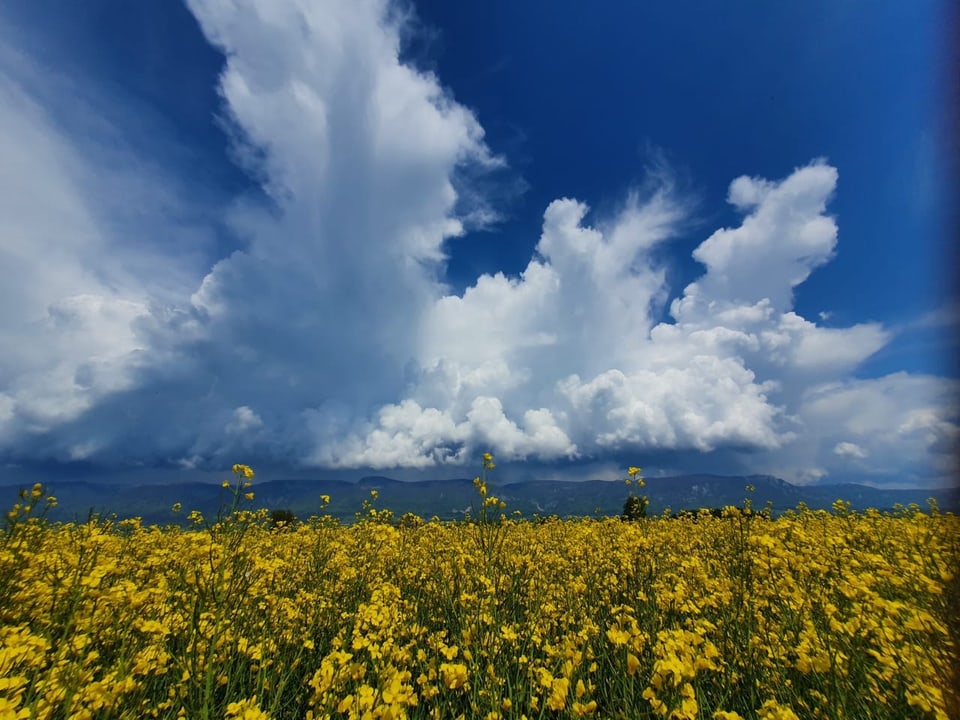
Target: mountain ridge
{"points": [[453, 498]]}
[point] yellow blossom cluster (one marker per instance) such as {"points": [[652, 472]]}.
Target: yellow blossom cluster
{"points": [[812, 615]]}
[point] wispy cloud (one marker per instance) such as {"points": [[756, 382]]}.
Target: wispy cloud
{"points": [[93, 237], [947, 316]]}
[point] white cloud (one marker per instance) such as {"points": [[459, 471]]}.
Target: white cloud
{"points": [[72, 286], [409, 435], [783, 239], [849, 449], [904, 424], [573, 335], [322, 306], [244, 420], [327, 336]]}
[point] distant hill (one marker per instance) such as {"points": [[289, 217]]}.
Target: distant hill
{"points": [[450, 499]]}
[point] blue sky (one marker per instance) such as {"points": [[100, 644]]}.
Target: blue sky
{"points": [[343, 237]]}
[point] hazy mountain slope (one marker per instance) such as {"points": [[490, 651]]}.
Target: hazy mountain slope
{"points": [[448, 499]]}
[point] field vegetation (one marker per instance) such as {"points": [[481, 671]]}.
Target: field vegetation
{"points": [[252, 615]]}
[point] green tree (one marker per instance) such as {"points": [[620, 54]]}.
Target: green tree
{"points": [[635, 507], [282, 518]]}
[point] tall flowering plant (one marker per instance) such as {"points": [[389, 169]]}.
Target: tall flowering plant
{"points": [[635, 506]]}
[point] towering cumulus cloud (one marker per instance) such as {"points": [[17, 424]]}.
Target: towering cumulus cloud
{"points": [[327, 337], [566, 361]]}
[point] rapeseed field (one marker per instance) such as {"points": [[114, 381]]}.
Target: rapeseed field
{"points": [[810, 615]]}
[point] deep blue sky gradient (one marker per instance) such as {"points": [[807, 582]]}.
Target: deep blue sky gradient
{"points": [[722, 90]]}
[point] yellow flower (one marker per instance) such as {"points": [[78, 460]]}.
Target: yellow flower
{"points": [[633, 471], [454, 675], [245, 470], [582, 709], [225, 484], [246, 710], [248, 496], [618, 636], [8, 709], [558, 694], [589, 590], [772, 710], [545, 678], [325, 499]]}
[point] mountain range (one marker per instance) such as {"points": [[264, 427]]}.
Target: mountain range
{"points": [[452, 499]]}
